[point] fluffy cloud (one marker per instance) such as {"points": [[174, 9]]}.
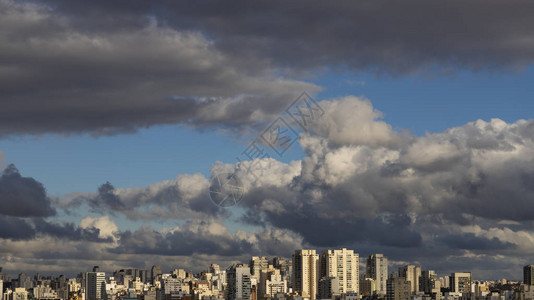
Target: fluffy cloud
{"points": [[408, 192], [148, 75], [15, 228], [380, 36], [461, 194], [24, 207], [207, 238], [376, 186], [184, 197], [208, 65], [352, 120], [106, 227], [22, 196]]}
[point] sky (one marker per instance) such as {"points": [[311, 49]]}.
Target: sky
{"points": [[115, 116]]}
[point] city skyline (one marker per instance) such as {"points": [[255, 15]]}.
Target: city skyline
{"points": [[137, 133], [363, 269], [307, 276]]}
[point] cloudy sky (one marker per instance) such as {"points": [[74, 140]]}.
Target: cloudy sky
{"points": [[114, 116]]}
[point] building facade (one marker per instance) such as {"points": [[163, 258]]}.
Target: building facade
{"points": [[238, 279], [412, 274], [377, 269], [461, 282], [305, 273], [96, 285], [344, 265]]}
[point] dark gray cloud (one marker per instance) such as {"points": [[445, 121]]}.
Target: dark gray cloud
{"points": [[379, 35], [23, 196], [58, 77], [105, 68], [105, 199], [206, 238], [25, 229], [180, 242], [68, 231], [15, 228], [472, 242], [24, 207], [332, 223], [184, 197]]}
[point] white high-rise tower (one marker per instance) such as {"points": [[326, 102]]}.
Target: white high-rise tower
{"points": [[377, 269], [344, 265], [305, 273]]}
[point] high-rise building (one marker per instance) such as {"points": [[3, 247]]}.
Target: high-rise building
{"points": [[305, 273], [179, 273], [461, 282], [155, 272], [19, 293], [430, 284], [344, 265], [258, 264], [367, 286], [377, 269], [173, 285], [285, 266], [214, 269], [271, 283], [25, 281], [96, 285], [398, 288], [445, 281], [143, 274], [412, 274], [528, 274], [328, 288], [238, 281]]}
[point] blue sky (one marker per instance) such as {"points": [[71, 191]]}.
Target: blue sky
{"points": [[420, 104]]}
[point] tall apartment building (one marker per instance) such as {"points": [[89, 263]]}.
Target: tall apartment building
{"points": [[445, 281], [461, 282], [155, 273], [430, 284], [367, 286], [285, 266], [344, 265], [95, 285], [214, 269], [19, 293], [328, 288], [172, 285], [238, 281], [377, 269], [528, 274], [412, 274], [271, 283], [305, 273], [258, 264], [398, 288], [179, 273]]}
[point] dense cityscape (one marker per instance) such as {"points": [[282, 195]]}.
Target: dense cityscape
{"points": [[330, 274]]}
